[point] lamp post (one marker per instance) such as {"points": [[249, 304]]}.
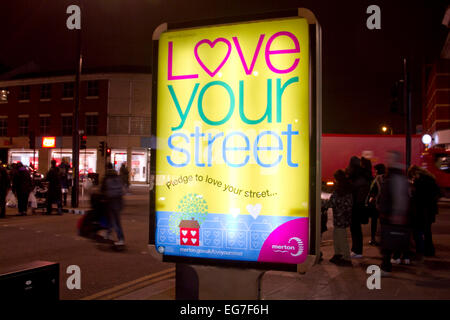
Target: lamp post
{"points": [[75, 123], [407, 109]]}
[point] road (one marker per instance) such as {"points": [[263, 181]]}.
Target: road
{"points": [[54, 238]]}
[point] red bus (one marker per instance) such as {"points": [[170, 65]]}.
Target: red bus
{"points": [[437, 162]]}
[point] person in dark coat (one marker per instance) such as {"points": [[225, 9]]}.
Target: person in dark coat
{"points": [[372, 199], [112, 189], [395, 217], [22, 186], [54, 193], [12, 174], [4, 188], [125, 176], [425, 197], [64, 177], [360, 189], [341, 201], [366, 166]]}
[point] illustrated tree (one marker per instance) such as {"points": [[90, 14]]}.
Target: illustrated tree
{"points": [[191, 206]]}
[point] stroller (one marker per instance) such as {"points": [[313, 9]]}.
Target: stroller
{"points": [[40, 192], [95, 219]]}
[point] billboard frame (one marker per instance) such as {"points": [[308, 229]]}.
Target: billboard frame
{"points": [[315, 125]]}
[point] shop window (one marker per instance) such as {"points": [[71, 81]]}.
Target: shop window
{"points": [[92, 88], [23, 127], [87, 160], [118, 125], [3, 127], [68, 90], [27, 158], [44, 126], [24, 93], [67, 126], [138, 166], [92, 125], [118, 157], [46, 91]]}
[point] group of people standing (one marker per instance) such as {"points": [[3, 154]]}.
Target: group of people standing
{"points": [[404, 204], [21, 183]]}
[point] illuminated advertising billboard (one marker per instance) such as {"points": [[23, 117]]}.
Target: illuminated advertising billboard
{"points": [[232, 127]]}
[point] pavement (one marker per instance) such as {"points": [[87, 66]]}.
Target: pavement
{"points": [[149, 279]]}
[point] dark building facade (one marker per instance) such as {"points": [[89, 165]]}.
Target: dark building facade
{"points": [[114, 109]]}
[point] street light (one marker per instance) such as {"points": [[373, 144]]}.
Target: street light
{"points": [[426, 139], [4, 95], [386, 129]]}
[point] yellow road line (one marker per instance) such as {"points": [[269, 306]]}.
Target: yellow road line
{"points": [[123, 286], [137, 287]]}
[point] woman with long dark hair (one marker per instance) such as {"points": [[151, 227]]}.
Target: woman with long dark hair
{"points": [[341, 201]]}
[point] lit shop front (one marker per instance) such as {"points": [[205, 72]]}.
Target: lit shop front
{"points": [[88, 159], [139, 166], [139, 163], [25, 156], [118, 157]]}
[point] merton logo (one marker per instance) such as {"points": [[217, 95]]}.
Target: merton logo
{"points": [[294, 247]]}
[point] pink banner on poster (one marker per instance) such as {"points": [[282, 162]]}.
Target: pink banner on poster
{"points": [[287, 244]]}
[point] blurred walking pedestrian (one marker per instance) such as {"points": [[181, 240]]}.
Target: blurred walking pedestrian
{"points": [[395, 219], [341, 201], [22, 186], [112, 189], [125, 176], [372, 200], [425, 198], [360, 188], [4, 188], [54, 193]]}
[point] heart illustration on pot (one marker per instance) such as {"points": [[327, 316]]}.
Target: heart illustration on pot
{"points": [[184, 232], [185, 240], [212, 44], [193, 233]]}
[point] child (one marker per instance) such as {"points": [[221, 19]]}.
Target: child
{"points": [[341, 201]]}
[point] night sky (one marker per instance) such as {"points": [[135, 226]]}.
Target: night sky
{"points": [[359, 65]]}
